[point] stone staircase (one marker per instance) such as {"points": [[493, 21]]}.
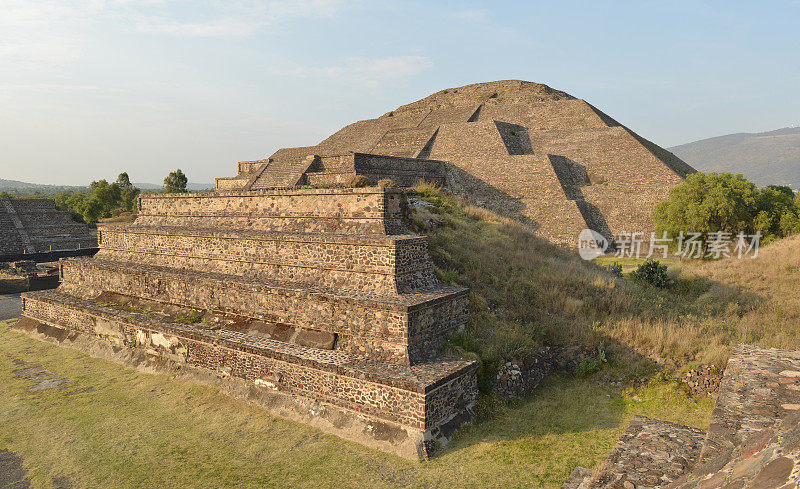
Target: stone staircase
{"points": [[337, 169], [316, 295], [752, 440], [30, 226], [282, 173]]}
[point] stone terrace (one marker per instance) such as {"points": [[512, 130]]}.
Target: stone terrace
{"points": [[317, 294], [522, 149], [29, 226], [753, 440]]}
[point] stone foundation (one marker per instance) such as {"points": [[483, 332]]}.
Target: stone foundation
{"points": [[366, 430], [313, 294]]}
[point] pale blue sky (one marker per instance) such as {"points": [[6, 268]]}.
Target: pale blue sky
{"points": [[89, 88]]}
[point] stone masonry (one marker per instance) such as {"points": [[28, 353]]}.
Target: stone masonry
{"points": [[522, 149], [31, 226], [753, 440], [319, 296]]}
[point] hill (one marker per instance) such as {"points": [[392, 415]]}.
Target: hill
{"points": [[10, 185], [35, 187], [520, 148], [766, 158]]}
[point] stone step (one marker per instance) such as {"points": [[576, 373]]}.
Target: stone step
{"points": [[282, 173], [578, 479], [419, 397], [759, 389], [651, 453], [354, 211], [405, 328], [385, 264], [404, 172]]}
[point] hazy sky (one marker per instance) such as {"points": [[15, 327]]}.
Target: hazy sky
{"points": [[91, 88]]}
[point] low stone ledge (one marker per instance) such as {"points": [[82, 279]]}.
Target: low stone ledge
{"points": [[378, 434], [421, 378]]}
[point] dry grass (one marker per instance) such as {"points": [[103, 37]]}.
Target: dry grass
{"points": [[123, 218], [527, 292]]}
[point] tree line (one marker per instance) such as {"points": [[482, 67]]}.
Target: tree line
{"points": [[103, 199]]}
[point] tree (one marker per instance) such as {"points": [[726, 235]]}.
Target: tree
{"points": [[175, 182], [128, 192], [123, 180], [778, 213], [108, 197], [706, 203], [93, 210]]}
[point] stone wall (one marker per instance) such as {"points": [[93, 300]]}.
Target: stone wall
{"points": [[381, 264], [421, 401], [30, 226], [350, 211], [403, 330], [404, 172]]}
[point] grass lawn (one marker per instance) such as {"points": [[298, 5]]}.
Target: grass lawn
{"points": [[115, 427]]}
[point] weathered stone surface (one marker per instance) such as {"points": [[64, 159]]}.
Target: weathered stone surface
{"points": [[523, 149], [579, 479], [703, 381], [651, 453], [30, 226], [310, 293], [753, 440]]}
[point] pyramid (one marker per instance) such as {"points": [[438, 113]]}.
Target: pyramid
{"points": [[520, 148], [34, 229], [316, 303]]}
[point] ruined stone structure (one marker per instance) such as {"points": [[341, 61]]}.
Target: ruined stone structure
{"points": [[318, 299], [34, 226], [520, 148], [753, 440]]}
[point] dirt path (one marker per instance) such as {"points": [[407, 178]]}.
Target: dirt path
{"points": [[10, 307], [11, 472]]}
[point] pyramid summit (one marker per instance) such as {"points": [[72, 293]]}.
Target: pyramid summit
{"points": [[520, 148]]}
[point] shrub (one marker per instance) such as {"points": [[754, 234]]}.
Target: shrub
{"points": [[591, 365], [653, 272], [358, 181], [386, 182], [614, 269]]}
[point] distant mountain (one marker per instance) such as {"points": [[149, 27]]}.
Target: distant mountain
{"points": [[766, 158], [189, 186], [10, 185], [35, 187]]}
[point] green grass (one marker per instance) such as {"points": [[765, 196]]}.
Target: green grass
{"points": [[144, 430]]}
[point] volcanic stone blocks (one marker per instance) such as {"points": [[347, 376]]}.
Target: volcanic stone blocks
{"points": [[317, 294]]}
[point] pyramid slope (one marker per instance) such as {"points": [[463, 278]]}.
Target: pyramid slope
{"points": [[521, 148]]}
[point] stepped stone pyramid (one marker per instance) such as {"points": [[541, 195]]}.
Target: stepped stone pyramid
{"points": [[520, 148], [34, 226], [753, 440], [318, 299]]}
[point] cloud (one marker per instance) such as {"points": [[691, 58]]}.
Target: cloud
{"points": [[482, 19], [479, 16], [367, 72], [42, 34], [229, 19]]}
